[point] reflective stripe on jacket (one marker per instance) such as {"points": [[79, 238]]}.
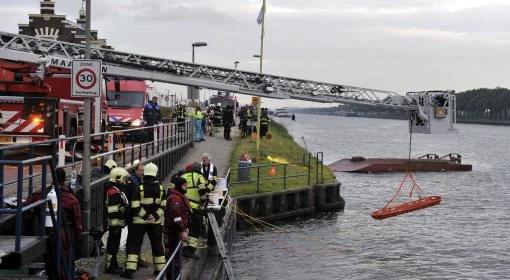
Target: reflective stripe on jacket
{"points": [[196, 189], [149, 199]]}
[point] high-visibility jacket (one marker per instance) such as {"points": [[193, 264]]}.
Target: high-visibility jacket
{"points": [[117, 205], [198, 115], [264, 119], [196, 189], [211, 175], [149, 199]]}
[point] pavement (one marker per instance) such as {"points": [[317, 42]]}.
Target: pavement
{"points": [[219, 150]]}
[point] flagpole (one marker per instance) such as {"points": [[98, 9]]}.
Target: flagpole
{"points": [[260, 71]]}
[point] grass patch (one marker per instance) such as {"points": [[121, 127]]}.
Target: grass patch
{"points": [[281, 146]]}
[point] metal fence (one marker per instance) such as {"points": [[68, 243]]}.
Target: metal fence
{"points": [[257, 171], [163, 144]]}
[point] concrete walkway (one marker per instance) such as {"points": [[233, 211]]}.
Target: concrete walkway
{"points": [[219, 150]]}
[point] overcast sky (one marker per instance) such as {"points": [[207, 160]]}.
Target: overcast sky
{"points": [[397, 45]]}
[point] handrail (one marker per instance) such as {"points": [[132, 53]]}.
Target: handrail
{"points": [[170, 261], [80, 137], [306, 160]]}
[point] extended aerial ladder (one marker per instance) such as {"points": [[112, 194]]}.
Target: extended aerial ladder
{"points": [[432, 111]]}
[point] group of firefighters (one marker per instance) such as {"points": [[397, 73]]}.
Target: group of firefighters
{"points": [[140, 202], [248, 118], [213, 117]]}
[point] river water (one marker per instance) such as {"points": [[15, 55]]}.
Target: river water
{"points": [[467, 236]]}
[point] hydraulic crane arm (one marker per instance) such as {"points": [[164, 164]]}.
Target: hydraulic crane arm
{"points": [[128, 65]]}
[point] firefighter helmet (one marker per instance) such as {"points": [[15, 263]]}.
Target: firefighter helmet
{"points": [[110, 164], [117, 174], [150, 170]]}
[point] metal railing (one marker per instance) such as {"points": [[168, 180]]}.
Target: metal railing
{"points": [[176, 256], [129, 146], [163, 144], [306, 161], [40, 203]]}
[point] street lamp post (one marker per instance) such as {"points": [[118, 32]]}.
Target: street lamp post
{"points": [[196, 44], [191, 90]]}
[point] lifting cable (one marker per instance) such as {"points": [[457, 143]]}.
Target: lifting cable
{"points": [[267, 225], [406, 207]]}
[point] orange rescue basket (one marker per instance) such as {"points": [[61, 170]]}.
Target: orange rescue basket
{"points": [[406, 207]]}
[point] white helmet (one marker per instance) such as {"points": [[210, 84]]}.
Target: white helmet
{"points": [[150, 170], [110, 164], [117, 175], [219, 104]]}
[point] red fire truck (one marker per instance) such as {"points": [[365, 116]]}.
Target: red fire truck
{"points": [[35, 106], [126, 100]]}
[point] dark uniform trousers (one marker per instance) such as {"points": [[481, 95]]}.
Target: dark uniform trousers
{"points": [[135, 240], [150, 199], [112, 245]]}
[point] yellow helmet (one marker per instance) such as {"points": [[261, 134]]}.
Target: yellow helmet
{"points": [[150, 170], [117, 174], [110, 164]]}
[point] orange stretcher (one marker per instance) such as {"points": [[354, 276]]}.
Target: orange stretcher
{"points": [[406, 207]]}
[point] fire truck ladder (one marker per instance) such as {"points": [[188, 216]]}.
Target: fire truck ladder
{"points": [[128, 65], [434, 110]]}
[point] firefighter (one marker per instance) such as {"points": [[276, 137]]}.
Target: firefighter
{"points": [[152, 112], [196, 194], [147, 207], [209, 171], [228, 120], [264, 122], [108, 166], [177, 216], [117, 205], [180, 115]]}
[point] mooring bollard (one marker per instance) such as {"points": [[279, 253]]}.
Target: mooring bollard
{"points": [[61, 150]]}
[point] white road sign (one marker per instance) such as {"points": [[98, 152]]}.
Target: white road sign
{"points": [[86, 75]]}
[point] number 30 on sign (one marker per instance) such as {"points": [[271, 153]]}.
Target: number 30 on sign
{"points": [[86, 78]]}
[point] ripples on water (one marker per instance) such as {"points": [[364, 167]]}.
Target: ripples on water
{"points": [[465, 237]]}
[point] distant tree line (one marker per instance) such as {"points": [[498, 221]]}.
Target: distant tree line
{"points": [[484, 104]]}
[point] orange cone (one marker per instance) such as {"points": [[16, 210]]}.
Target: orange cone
{"points": [[272, 171]]}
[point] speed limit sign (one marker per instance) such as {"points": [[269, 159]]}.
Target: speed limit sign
{"points": [[86, 78]]}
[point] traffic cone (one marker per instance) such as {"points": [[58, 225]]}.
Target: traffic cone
{"points": [[272, 171]]}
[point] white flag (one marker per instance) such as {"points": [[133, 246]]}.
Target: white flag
{"points": [[260, 18]]}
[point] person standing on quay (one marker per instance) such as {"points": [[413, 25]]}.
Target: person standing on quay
{"points": [[264, 123], [177, 216], [117, 205], [197, 119], [196, 194], [152, 112], [209, 172], [228, 120], [148, 209]]}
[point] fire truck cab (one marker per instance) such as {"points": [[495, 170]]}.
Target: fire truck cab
{"points": [[126, 100]]}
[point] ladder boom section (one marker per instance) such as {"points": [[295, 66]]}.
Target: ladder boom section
{"points": [[431, 111], [130, 65]]}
